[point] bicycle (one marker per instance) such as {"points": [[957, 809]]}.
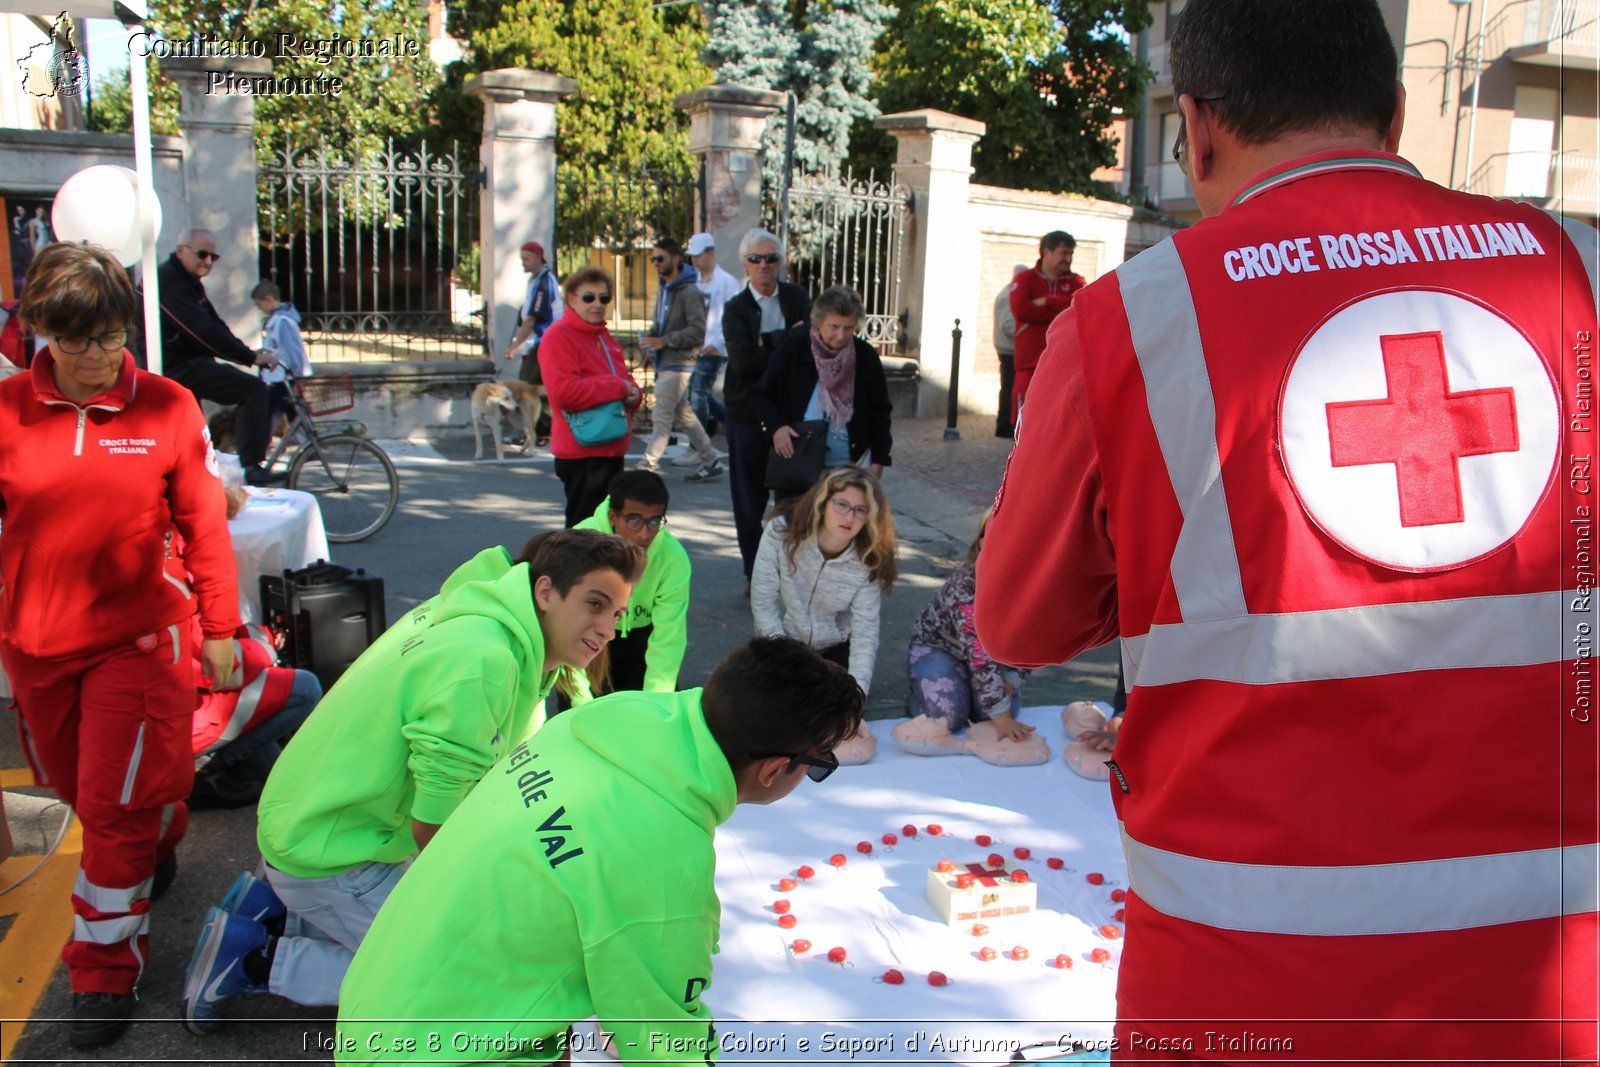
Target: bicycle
{"points": [[354, 480]]}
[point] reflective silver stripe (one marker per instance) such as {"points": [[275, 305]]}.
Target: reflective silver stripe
{"points": [[1166, 341], [184, 589], [249, 700], [1358, 642], [1384, 898], [177, 643], [133, 766], [107, 899], [1587, 242], [110, 931]]}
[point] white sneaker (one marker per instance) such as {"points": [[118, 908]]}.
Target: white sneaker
{"points": [[687, 458]]}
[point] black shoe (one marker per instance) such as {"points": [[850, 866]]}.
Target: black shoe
{"points": [[259, 475], [224, 790], [99, 1018], [166, 874], [1008, 432]]}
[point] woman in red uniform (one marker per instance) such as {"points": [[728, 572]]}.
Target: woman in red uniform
{"points": [[99, 463]]}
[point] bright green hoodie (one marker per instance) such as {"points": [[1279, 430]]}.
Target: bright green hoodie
{"points": [[577, 880], [411, 726], [660, 600]]}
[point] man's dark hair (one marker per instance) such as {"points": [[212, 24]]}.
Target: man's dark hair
{"points": [[641, 487], [669, 246], [778, 696], [1055, 239], [564, 556], [1271, 67]]}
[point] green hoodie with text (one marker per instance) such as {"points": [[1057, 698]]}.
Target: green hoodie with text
{"points": [[411, 726], [578, 880], [660, 600]]}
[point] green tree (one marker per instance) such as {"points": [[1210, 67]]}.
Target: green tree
{"points": [[629, 60], [1047, 77], [821, 51], [379, 99]]}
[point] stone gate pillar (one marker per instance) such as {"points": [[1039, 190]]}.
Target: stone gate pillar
{"points": [[725, 127], [942, 261], [219, 179], [519, 198]]}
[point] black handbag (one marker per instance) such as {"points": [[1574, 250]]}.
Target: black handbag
{"points": [[801, 470]]}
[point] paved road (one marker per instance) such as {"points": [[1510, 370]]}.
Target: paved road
{"points": [[450, 508]]}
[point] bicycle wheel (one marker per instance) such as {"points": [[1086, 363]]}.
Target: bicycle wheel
{"points": [[354, 482]]}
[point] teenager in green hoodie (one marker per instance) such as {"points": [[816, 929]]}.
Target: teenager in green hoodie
{"points": [[647, 652], [578, 879], [392, 750]]}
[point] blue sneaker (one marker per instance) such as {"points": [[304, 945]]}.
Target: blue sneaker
{"points": [[216, 970], [252, 898]]}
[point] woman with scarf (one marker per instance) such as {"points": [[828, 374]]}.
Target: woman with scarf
{"points": [[825, 372]]}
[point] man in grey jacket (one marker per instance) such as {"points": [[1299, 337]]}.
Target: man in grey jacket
{"points": [[676, 335]]}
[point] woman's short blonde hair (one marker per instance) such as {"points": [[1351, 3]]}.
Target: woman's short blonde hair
{"points": [[875, 545], [587, 276]]}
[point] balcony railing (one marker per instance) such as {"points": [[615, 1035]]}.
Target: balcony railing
{"points": [[1561, 181], [1159, 58], [1166, 181], [1567, 25]]}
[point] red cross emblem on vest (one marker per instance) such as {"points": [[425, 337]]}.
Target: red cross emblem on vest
{"points": [[1422, 428], [1419, 428]]}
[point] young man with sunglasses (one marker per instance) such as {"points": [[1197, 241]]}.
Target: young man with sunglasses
{"points": [[647, 652], [578, 879], [753, 325], [194, 338]]}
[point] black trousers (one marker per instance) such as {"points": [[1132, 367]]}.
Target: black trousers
{"points": [[747, 478], [586, 481], [1008, 380], [222, 384], [627, 659], [839, 654]]}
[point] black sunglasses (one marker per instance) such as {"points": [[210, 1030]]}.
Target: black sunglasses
{"points": [[817, 767], [206, 257], [589, 298], [762, 257]]}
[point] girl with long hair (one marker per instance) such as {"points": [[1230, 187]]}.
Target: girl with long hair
{"points": [[820, 576]]}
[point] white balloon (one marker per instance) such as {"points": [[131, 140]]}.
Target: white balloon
{"points": [[100, 205]]}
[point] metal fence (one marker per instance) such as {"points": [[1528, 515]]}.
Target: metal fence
{"points": [[844, 230], [611, 219], [377, 254]]}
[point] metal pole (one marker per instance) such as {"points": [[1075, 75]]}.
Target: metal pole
{"points": [[951, 433], [1477, 84], [788, 177]]}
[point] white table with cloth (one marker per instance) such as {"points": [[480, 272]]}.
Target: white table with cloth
{"points": [[770, 999], [278, 530]]}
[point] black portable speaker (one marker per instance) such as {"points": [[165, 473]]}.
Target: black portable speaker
{"points": [[327, 614]]}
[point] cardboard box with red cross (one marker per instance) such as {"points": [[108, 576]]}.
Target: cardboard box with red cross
{"points": [[973, 892]]}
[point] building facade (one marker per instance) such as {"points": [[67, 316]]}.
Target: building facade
{"points": [[1501, 100]]}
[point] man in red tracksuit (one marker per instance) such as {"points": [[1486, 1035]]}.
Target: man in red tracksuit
{"points": [[99, 462], [1324, 463], [1037, 297]]}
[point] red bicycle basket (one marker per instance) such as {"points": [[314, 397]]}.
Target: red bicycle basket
{"points": [[328, 394]]}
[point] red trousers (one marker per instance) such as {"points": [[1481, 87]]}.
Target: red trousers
{"points": [[109, 733], [1019, 391]]}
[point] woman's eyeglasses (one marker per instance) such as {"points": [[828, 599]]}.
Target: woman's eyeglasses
{"points": [[589, 298], [77, 346], [635, 523], [846, 510], [762, 257], [817, 767]]}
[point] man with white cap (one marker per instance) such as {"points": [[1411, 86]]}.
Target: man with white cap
{"points": [[719, 287]]}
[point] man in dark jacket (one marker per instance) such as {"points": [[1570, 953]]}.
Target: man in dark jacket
{"points": [[194, 338], [753, 323]]}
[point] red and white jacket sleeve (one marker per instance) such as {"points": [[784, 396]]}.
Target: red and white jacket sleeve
{"points": [[199, 510], [1047, 576]]}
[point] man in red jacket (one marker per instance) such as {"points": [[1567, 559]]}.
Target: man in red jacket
{"points": [[1323, 463], [1037, 297]]}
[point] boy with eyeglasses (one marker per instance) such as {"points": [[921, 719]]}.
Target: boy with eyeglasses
{"points": [[647, 652], [578, 878]]}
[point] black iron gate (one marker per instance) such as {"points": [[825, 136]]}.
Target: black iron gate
{"points": [[379, 255]]}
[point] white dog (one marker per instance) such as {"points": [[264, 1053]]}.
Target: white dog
{"points": [[489, 399]]}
